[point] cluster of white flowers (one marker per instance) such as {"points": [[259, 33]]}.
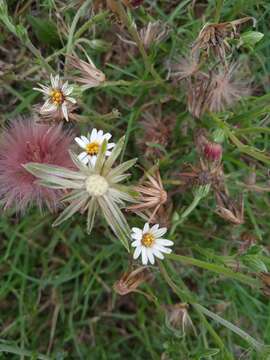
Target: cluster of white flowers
{"points": [[96, 183]]}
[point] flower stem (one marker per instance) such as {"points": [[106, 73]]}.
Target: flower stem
{"points": [[200, 193]]}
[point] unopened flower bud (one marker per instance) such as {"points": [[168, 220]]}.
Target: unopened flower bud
{"points": [[212, 151], [136, 3]]}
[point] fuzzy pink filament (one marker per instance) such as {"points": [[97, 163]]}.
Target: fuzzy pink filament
{"points": [[26, 141]]}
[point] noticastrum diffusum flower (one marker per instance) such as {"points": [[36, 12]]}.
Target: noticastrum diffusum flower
{"points": [[91, 145], [57, 97], [92, 188], [149, 243]]}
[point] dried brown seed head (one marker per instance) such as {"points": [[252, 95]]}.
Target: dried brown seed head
{"points": [[131, 280]]}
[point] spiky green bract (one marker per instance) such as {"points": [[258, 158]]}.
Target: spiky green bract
{"points": [[92, 188]]}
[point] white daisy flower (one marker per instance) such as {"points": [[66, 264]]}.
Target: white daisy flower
{"points": [[57, 96], [91, 145], [149, 243]]}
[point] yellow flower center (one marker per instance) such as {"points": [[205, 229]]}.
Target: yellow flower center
{"points": [[92, 148], [148, 240], [57, 97]]}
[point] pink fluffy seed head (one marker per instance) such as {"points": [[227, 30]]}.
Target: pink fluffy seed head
{"points": [[25, 141]]}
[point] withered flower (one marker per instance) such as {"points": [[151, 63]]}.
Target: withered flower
{"points": [[230, 209], [183, 68], [151, 196], [216, 91], [153, 33], [226, 88], [213, 37], [131, 280], [178, 319], [89, 76], [156, 134], [197, 94]]}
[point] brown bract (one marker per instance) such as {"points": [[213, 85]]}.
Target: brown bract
{"points": [[230, 209], [204, 174]]}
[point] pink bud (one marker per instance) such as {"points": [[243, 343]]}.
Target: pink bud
{"points": [[136, 3], [212, 151]]}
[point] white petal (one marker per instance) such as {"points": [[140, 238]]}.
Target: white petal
{"points": [[150, 256], [93, 135], [44, 89], [144, 256], [162, 249], [164, 242], [108, 153], [83, 155], [136, 236], [137, 230], [71, 99], [136, 243], [65, 111], [137, 252], [110, 145], [145, 228], [52, 80], [48, 106], [85, 139], [82, 143], [65, 88], [157, 253], [93, 160], [160, 232], [107, 136], [154, 227], [57, 81], [100, 134]]}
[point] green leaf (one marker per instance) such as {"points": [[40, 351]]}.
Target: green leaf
{"points": [[45, 31], [251, 38], [207, 353], [254, 263]]}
